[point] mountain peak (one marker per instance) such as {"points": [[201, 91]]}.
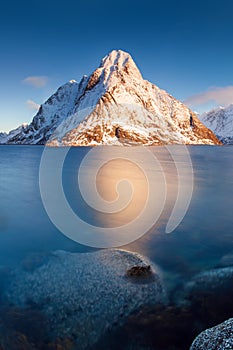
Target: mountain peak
{"points": [[121, 61], [115, 57], [114, 105]]}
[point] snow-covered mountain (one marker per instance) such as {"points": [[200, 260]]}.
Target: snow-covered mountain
{"points": [[114, 105], [220, 121], [5, 137]]}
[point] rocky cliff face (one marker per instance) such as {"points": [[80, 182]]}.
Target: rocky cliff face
{"points": [[114, 105], [220, 121]]}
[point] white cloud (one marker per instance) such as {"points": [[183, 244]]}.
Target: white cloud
{"points": [[36, 81], [219, 95], [32, 105]]}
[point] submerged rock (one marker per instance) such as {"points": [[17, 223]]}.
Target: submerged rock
{"points": [[219, 337], [210, 295], [219, 279], [226, 260], [84, 295]]}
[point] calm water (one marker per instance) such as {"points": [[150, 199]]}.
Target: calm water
{"points": [[198, 243]]}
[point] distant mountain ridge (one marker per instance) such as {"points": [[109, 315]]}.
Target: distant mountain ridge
{"points": [[4, 137], [112, 106], [220, 121]]}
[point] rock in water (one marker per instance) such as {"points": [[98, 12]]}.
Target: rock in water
{"points": [[219, 337], [84, 295], [219, 279], [210, 295]]}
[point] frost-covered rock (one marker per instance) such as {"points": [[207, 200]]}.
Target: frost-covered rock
{"points": [[220, 121], [114, 105], [219, 337], [84, 295]]}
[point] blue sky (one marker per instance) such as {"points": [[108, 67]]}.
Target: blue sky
{"points": [[184, 47]]}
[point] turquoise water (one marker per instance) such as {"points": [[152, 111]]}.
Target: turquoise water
{"points": [[204, 234], [202, 238]]}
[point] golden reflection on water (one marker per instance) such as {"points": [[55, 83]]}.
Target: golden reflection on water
{"points": [[134, 190], [124, 181]]}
